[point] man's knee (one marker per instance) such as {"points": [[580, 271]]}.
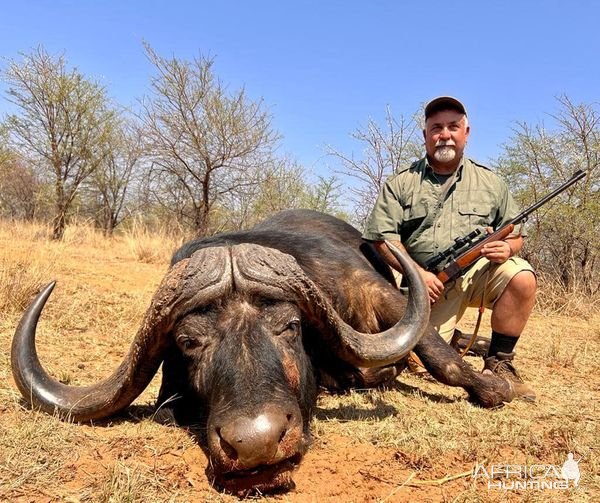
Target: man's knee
{"points": [[523, 284]]}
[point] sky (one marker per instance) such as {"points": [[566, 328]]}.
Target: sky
{"points": [[324, 68]]}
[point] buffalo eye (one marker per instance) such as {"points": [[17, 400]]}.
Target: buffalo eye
{"points": [[186, 342], [292, 328]]}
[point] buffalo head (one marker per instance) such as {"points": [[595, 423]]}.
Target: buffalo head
{"points": [[227, 324]]}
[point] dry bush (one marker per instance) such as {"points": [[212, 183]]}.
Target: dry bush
{"points": [[22, 273], [19, 282], [152, 247], [553, 298], [82, 232], [30, 232]]}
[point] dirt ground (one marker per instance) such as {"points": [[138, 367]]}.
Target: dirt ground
{"points": [[415, 441]]}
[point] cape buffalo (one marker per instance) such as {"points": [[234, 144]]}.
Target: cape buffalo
{"points": [[247, 326]]}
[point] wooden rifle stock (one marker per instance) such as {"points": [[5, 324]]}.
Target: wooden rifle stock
{"points": [[457, 266]]}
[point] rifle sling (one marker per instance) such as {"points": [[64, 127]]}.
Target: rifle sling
{"points": [[479, 316]]}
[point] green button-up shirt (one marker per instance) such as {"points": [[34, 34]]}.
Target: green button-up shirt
{"points": [[410, 207]]}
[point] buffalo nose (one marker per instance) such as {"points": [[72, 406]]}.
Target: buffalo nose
{"points": [[252, 441]]}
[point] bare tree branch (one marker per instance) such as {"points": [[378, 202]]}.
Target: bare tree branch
{"points": [[385, 149]]}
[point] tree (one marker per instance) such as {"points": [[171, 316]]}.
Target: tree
{"points": [[108, 186], [280, 186], [204, 142], [385, 149], [60, 125], [6, 154], [563, 240], [325, 196], [19, 187]]}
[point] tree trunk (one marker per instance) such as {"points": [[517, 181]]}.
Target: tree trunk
{"points": [[108, 222], [59, 221], [59, 224], [109, 227], [201, 221]]}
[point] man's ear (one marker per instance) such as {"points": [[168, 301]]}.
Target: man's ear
{"points": [[424, 134]]}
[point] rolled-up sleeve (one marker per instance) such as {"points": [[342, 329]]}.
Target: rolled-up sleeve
{"points": [[386, 218], [508, 210]]}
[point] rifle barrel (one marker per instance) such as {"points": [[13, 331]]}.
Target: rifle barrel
{"points": [[575, 178]]}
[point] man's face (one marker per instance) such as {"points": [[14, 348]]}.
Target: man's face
{"points": [[446, 133]]}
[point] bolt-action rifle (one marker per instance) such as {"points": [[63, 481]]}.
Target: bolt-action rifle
{"points": [[456, 259]]}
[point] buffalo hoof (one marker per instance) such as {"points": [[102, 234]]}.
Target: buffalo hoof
{"points": [[491, 391], [373, 377], [520, 390]]}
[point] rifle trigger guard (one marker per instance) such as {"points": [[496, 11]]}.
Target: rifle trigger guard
{"points": [[449, 286]]}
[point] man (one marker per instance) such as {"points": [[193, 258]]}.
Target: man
{"points": [[422, 208]]}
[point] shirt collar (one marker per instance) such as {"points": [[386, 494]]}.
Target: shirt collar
{"points": [[459, 171]]}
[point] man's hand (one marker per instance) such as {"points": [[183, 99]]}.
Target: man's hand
{"points": [[434, 286], [497, 251], [500, 251]]}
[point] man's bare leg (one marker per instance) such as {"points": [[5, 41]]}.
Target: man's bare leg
{"points": [[509, 317], [512, 309]]}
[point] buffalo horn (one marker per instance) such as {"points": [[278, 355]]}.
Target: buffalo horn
{"points": [[389, 346], [111, 395]]}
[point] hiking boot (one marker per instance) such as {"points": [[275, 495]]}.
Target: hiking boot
{"points": [[502, 366], [480, 346]]}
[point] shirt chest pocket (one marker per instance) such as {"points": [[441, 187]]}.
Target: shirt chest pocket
{"points": [[412, 217], [413, 212], [475, 213]]}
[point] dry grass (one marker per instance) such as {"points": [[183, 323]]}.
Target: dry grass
{"points": [[19, 281], [84, 233], [151, 246], [397, 444], [22, 273], [554, 298]]}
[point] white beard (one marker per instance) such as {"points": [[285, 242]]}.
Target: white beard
{"points": [[444, 154]]}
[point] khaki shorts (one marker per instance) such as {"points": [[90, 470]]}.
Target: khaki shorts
{"points": [[484, 280]]}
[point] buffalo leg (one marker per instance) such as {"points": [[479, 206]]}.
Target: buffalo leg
{"points": [[446, 366]]}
